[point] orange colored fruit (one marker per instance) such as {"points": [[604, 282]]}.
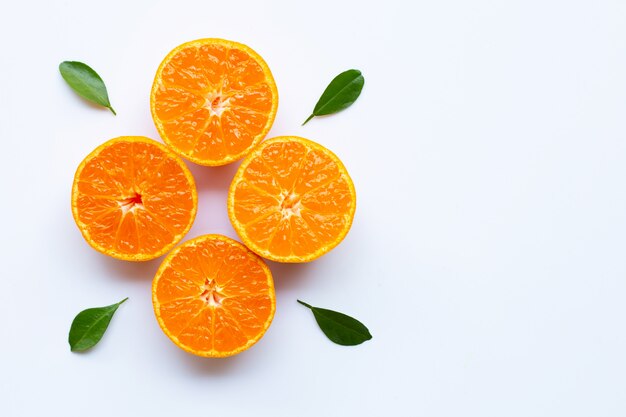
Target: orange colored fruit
{"points": [[213, 100], [213, 297], [133, 199], [291, 200]]}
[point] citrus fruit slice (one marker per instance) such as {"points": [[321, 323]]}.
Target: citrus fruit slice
{"points": [[213, 297], [212, 100], [133, 199], [291, 200]]}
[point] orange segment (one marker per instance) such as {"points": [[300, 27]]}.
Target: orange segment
{"points": [[133, 199], [213, 100], [213, 297], [291, 200]]}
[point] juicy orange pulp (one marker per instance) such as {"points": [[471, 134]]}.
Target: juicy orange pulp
{"points": [[291, 200], [213, 297], [133, 199], [212, 100]]}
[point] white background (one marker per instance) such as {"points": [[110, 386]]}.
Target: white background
{"points": [[488, 151]]}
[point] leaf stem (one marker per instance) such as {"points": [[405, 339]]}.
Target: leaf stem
{"points": [[305, 304], [121, 302], [111, 108], [307, 120]]}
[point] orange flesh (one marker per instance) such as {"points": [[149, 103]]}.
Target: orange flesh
{"points": [[212, 100], [292, 200], [132, 199], [213, 297]]}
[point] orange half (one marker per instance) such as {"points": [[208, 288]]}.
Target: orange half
{"points": [[133, 198], [292, 200], [213, 100], [213, 297]]}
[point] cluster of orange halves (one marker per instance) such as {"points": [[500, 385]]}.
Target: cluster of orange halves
{"points": [[213, 102]]}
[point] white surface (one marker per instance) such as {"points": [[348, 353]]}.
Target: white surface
{"points": [[488, 151]]}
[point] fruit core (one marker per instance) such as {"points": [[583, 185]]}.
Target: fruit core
{"points": [[211, 293], [290, 204], [216, 103], [131, 203]]}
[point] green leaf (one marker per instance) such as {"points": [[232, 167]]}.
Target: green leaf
{"points": [[342, 91], [89, 326], [338, 327], [86, 82]]}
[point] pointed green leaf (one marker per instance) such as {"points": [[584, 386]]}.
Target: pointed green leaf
{"points": [[86, 82], [342, 91], [89, 326], [338, 327]]}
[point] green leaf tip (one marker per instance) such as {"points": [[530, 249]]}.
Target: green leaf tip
{"points": [[309, 118], [338, 327], [340, 94], [86, 83]]}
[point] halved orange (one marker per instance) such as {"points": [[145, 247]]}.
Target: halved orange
{"points": [[133, 198], [212, 100], [213, 297], [291, 200]]}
